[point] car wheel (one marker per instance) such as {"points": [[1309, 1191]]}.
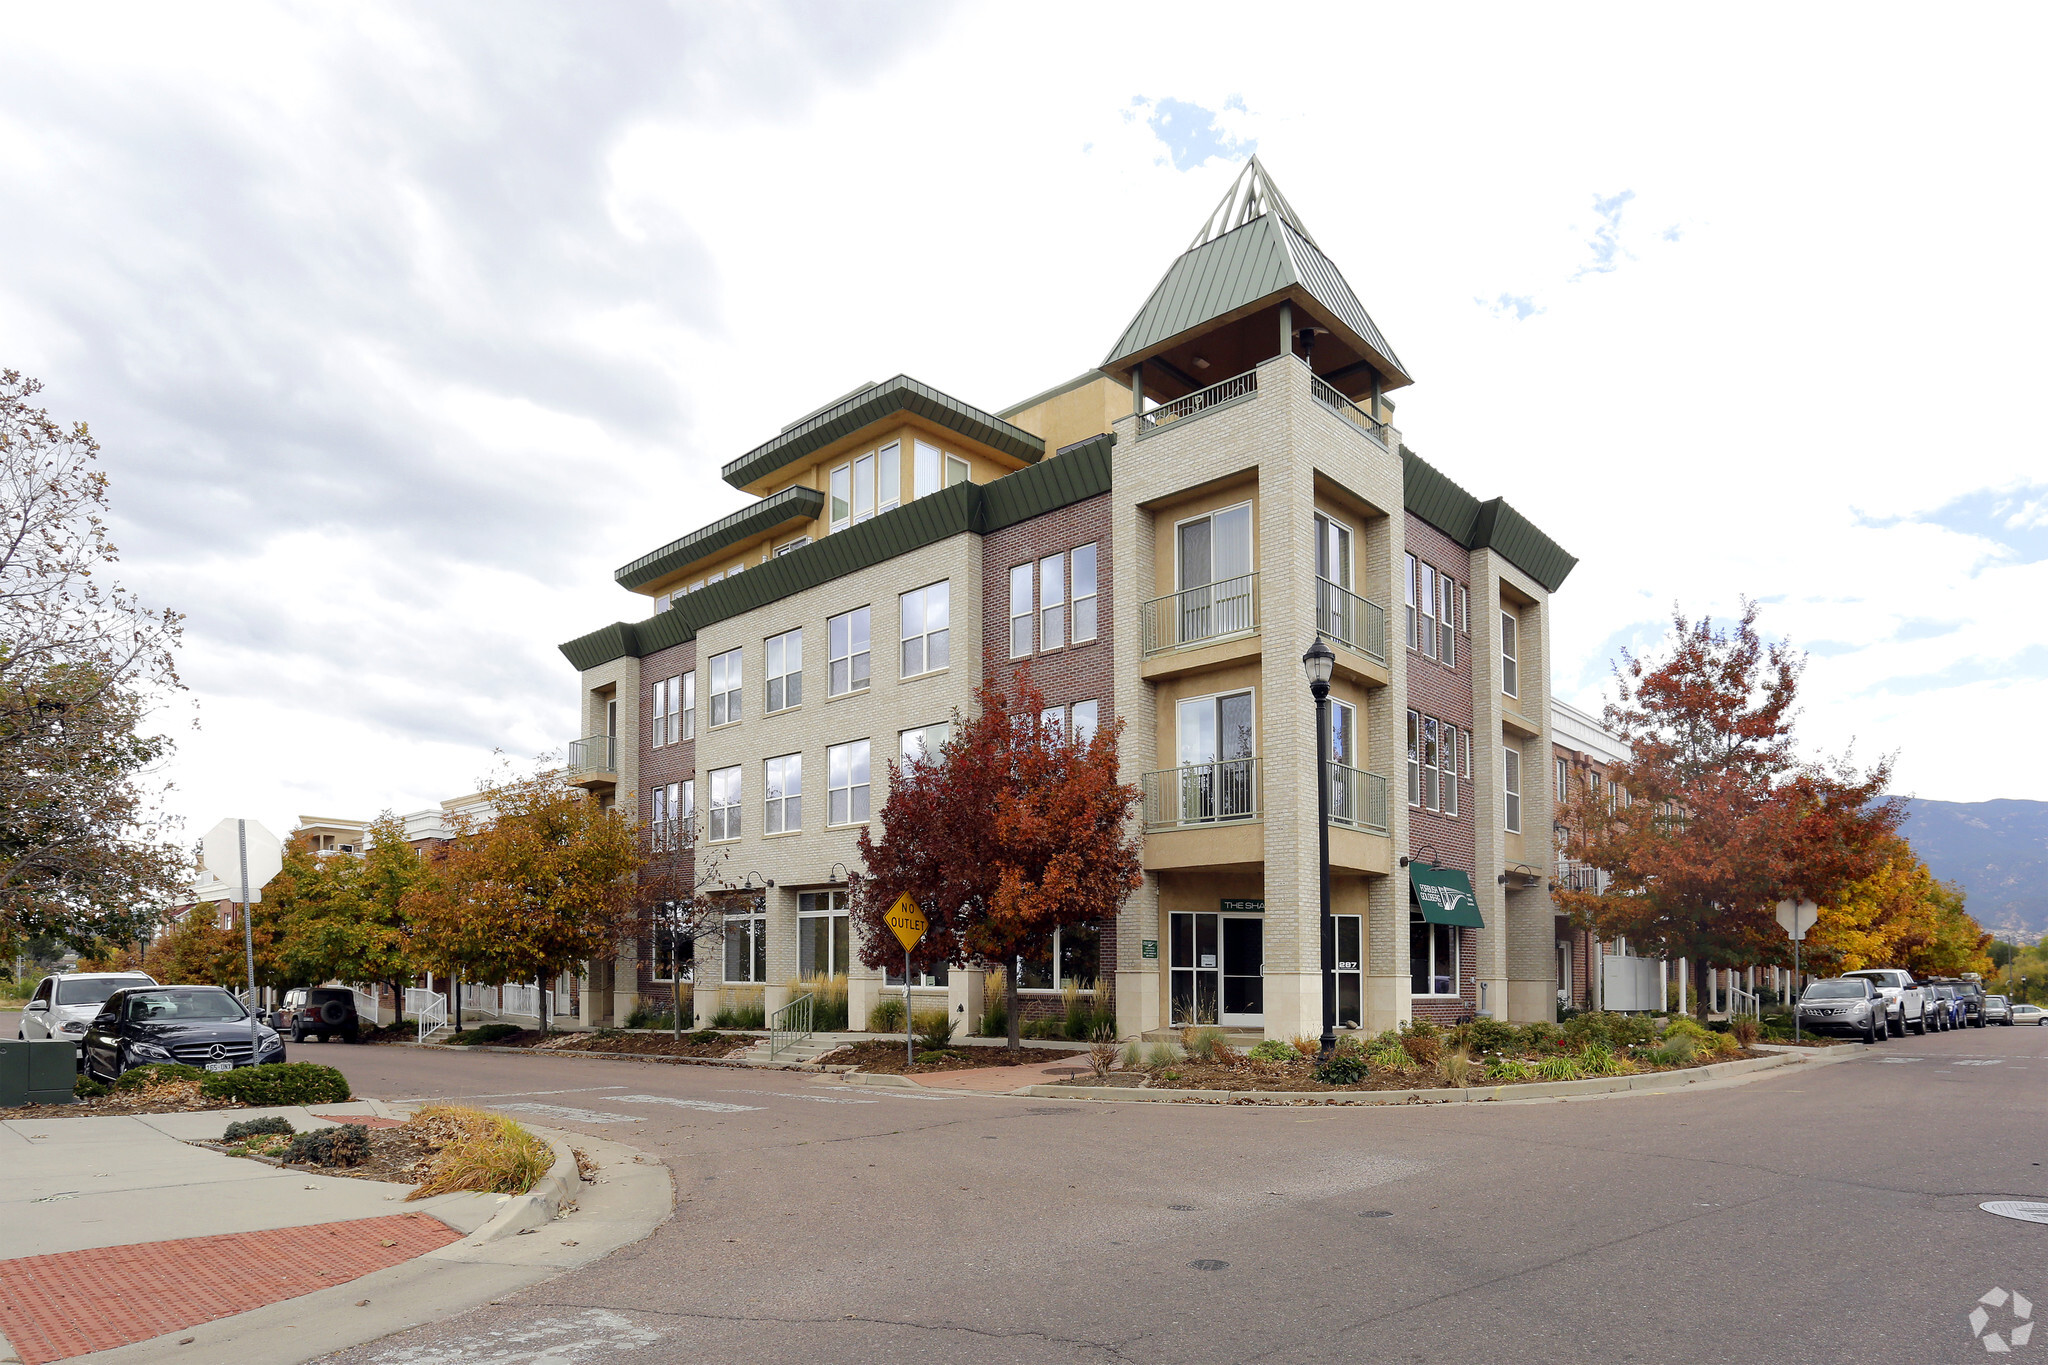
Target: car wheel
{"points": [[1870, 1033]]}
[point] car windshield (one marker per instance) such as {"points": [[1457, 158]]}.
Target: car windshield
{"points": [[1874, 978], [184, 1006], [94, 990], [1837, 990], [1994, 1000]]}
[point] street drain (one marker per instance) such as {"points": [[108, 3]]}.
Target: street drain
{"points": [[1208, 1265], [2014, 1208], [1376, 1213], [1184, 1208]]}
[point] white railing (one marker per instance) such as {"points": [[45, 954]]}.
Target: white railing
{"points": [[1235, 389], [479, 999], [366, 1005], [429, 1007], [525, 1001], [1744, 1004]]}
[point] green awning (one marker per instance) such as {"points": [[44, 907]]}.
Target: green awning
{"points": [[1444, 895]]}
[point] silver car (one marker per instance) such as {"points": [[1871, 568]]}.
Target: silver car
{"points": [[1905, 1006], [63, 1005], [1848, 1005], [1997, 1010]]}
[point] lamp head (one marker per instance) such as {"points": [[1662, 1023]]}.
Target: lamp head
{"points": [[1317, 665]]}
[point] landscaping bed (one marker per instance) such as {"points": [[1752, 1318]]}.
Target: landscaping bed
{"points": [[887, 1058], [438, 1149], [173, 1089], [702, 1043]]}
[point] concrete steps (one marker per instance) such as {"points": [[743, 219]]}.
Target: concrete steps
{"points": [[803, 1050]]}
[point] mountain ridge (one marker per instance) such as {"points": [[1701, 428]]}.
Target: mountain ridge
{"points": [[1996, 851]]}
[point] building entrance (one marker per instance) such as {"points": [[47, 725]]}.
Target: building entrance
{"points": [[1218, 968]]}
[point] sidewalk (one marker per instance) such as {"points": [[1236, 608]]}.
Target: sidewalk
{"points": [[119, 1238]]}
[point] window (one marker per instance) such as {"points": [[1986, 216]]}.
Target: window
{"points": [[657, 820], [841, 497], [1408, 598], [689, 812], [1052, 601], [785, 810], [1511, 783], [1214, 567], [1425, 609], [1447, 767], [725, 804], [824, 943], [1350, 970], [1020, 611], [1464, 611], [1333, 572], [1343, 754], [877, 486], [925, 615], [1075, 955], [689, 701], [1447, 629], [926, 742], [674, 949], [1085, 599], [846, 783], [796, 544], [1465, 753], [925, 976], [847, 643], [1509, 649], [1414, 758], [924, 470], [957, 470], [657, 724], [1432, 957], [786, 670], [1053, 720], [746, 946], [1215, 747], [1432, 757], [725, 688], [1564, 777], [1085, 722]]}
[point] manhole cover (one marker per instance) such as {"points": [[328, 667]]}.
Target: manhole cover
{"points": [[1183, 1208], [2013, 1208], [1377, 1213], [1208, 1265]]}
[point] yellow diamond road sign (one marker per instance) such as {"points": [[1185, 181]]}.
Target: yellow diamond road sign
{"points": [[907, 920]]}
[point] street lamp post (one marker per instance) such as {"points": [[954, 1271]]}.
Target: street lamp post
{"points": [[1316, 664]]}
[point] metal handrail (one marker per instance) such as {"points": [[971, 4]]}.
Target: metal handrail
{"points": [[1214, 611], [1352, 621], [791, 1024], [1235, 389], [1358, 799], [1326, 394], [593, 754], [1744, 1004], [1200, 794]]}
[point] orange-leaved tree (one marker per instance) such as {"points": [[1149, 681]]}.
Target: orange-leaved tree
{"points": [[1713, 819], [1899, 916], [1012, 830]]}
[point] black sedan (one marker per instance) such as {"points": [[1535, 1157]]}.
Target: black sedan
{"points": [[200, 1026]]}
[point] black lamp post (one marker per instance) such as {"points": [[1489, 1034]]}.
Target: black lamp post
{"points": [[1317, 664]]}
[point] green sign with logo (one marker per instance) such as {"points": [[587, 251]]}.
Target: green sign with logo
{"points": [[1244, 907], [1444, 895], [1150, 948]]}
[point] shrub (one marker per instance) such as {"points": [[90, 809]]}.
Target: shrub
{"points": [[1725, 1043], [156, 1073], [1678, 1048], [1747, 1031], [1423, 1048], [1539, 1036], [1558, 1068], [995, 1019], [1685, 1026], [1582, 1029], [486, 1152], [1597, 1059], [1202, 1043], [89, 1089], [1162, 1054], [1509, 1069], [1385, 1056], [1133, 1055], [1457, 1068], [1304, 1045], [1102, 1055], [707, 1036], [269, 1125], [491, 1033], [1490, 1035], [277, 1083], [343, 1146], [748, 1015], [884, 1016], [1631, 1030], [644, 1015], [1344, 1066], [1272, 1050], [934, 1030], [828, 1001]]}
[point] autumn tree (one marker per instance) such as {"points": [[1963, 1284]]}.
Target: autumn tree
{"points": [[1012, 830], [677, 902], [1898, 916], [1713, 818], [343, 917], [544, 882], [85, 852]]}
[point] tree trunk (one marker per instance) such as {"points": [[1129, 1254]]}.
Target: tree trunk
{"points": [[1010, 1007], [397, 1003], [675, 1001], [1699, 990]]}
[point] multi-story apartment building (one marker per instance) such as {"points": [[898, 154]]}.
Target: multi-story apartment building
{"points": [[1158, 540]]}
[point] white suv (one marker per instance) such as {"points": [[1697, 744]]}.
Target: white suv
{"points": [[1905, 1006], [63, 1005]]}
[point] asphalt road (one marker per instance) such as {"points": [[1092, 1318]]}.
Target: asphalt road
{"points": [[1825, 1214]]}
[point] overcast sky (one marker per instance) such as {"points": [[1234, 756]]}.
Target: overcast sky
{"points": [[403, 327]]}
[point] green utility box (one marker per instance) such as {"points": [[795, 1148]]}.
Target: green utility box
{"points": [[39, 1071]]}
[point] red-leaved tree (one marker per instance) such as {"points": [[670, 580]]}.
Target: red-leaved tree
{"points": [[1714, 819], [1013, 829]]}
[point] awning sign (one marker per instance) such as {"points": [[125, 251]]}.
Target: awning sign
{"points": [[1444, 895]]}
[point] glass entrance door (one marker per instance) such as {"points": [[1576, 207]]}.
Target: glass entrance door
{"points": [[1218, 968], [1244, 969]]}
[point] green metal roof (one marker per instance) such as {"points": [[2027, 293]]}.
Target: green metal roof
{"points": [[1476, 525], [1081, 471], [1264, 257], [792, 506], [865, 407]]}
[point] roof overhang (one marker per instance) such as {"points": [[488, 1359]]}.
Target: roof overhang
{"points": [[766, 519]]}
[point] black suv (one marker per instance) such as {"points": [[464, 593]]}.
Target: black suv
{"points": [[1971, 993], [323, 1012]]}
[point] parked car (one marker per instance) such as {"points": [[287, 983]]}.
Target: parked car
{"points": [[1971, 996], [1905, 1006], [64, 1005], [1941, 1006], [200, 1026], [1848, 1005], [2028, 1014], [323, 1012], [1997, 1010]]}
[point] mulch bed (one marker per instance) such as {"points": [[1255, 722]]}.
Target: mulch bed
{"points": [[172, 1097], [887, 1058], [398, 1154], [1247, 1074], [635, 1044]]}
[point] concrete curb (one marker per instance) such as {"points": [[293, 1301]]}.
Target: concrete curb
{"points": [[543, 1203], [1650, 1083]]}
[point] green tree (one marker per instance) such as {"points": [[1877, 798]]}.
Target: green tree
{"points": [[344, 920]]}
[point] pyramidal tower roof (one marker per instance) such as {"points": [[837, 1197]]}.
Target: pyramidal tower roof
{"points": [[1252, 254]]}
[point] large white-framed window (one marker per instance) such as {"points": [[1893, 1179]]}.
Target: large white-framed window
{"points": [[841, 497], [1052, 601], [1510, 654], [957, 470], [746, 946], [1086, 720], [846, 642], [925, 743], [1511, 786], [1432, 957], [824, 927], [925, 614], [1415, 758], [1408, 574], [725, 688], [874, 483], [1213, 570], [1081, 567], [1075, 955], [725, 804], [1021, 608], [846, 783], [784, 811], [785, 667], [926, 469], [689, 699]]}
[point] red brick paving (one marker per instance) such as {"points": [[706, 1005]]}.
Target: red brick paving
{"points": [[72, 1302], [365, 1120]]}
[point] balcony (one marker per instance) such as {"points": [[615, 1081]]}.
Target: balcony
{"points": [[593, 762], [1238, 388], [1202, 794], [1358, 800], [1336, 402], [1207, 615], [1357, 623]]}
